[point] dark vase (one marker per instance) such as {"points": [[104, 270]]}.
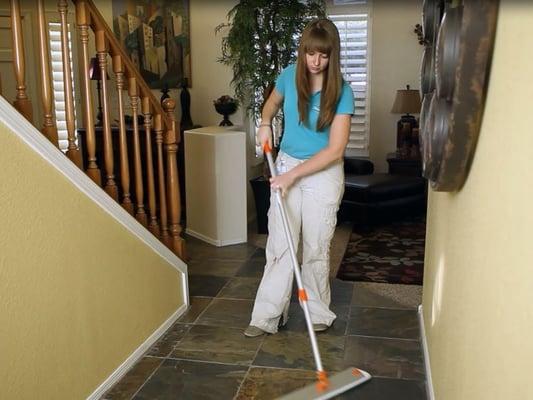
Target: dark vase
{"points": [[225, 109], [261, 190]]}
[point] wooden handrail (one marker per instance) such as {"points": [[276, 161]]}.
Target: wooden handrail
{"points": [[154, 154], [97, 23]]}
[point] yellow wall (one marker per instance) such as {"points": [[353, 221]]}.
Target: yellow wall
{"points": [[395, 62], [78, 292], [478, 280]]}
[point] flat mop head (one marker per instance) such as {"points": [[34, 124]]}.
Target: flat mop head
{"points": [[337, 384]]}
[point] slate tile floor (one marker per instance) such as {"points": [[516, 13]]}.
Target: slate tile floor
{"points": [[204, 355]]}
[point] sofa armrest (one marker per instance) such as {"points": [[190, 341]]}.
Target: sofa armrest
{"points": [[358, 166]]}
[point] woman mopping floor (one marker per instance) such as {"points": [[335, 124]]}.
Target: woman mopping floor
{"points": [[308, 175]]}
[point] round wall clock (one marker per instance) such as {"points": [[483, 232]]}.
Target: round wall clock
{"points": [[453, 103]]}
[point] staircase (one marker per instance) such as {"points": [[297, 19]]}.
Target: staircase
{"points": [[148, 186]]}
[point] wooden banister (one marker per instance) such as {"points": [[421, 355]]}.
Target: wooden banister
{"points": [[146, 155], [22, 103], [49, 128], [87, 100], [73, 151]]}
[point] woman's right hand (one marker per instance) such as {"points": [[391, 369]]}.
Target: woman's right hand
{"points": [[264, 135]]}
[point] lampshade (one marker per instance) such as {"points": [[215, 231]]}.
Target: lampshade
{"points": [[94, 70], [407, 101]]}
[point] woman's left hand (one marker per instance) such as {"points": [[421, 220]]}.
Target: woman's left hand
{"points": [[282, 182]]}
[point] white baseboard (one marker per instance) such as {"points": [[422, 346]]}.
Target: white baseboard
{"points": [[215, 242], [136, 355], [429, 381]]}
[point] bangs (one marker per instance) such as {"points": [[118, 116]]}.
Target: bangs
{"points": [[318, 41]]}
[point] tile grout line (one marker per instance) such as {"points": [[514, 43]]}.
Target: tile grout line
{"points": [[250, 366], [384, 337]]}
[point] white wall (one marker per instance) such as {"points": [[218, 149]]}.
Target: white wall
{"points": [[396, 58]]}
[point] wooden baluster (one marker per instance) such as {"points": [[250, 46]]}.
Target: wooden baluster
{"points": [[22, 103], [172, 139], [101, 50], [118, 68], [165, 238], [139, 193], [82, 20], [152, 224], [72, 152], [49, 128]]}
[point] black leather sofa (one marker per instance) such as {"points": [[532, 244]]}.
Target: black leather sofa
{"points": [[372, 198]]}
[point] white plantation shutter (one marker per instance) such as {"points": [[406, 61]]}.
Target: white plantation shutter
{"points": [[54, 31], [353, 31]]}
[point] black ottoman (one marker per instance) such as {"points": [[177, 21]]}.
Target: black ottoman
{"points": [[381, 197]]}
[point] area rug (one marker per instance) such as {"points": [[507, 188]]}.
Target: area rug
{"points": [[386, 253]]}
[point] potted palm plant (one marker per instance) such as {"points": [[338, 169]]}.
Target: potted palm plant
{"points": [[262, 39]]}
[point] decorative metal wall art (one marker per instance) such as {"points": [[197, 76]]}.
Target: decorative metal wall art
{"points": [[458, 37]]}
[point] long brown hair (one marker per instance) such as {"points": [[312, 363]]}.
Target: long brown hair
{"points": [[319, 35]]}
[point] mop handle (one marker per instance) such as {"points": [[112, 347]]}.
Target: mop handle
{"points": [[302, 295]]}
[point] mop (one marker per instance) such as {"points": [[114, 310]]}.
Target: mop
{"points": [[325, 387]]}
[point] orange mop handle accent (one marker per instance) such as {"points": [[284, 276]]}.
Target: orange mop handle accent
{"points": [[302, 295], [323, 381], [266, 148]]}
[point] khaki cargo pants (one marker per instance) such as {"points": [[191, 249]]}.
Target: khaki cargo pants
{"points": [[311, 204]]}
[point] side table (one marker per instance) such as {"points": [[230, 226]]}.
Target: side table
{"points": [[404, 166]]}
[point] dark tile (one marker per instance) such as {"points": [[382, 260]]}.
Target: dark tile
{"points": [[197, 306], [218, 344], [240, 288], [228, 313], [215, 267], [341, 292], [133, 380], [392, 358], [259, 383], [387, 323], [164, 346], [385, 388], [296, 322], [293, 350], [365, 296], [252, 268], [204, 285], [182, 379]]}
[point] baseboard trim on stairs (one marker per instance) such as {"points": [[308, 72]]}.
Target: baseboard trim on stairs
{"points": [[427, 365], [36, 140], [136, 355]]}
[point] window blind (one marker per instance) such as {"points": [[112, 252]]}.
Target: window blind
{"points": [[353, 31], [56, 55]]}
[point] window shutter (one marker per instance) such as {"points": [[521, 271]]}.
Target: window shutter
{"points": [[353, 31], [54, 30]]}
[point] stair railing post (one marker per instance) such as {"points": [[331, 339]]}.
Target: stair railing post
{"points": [[73, 151], [146, 108], [22, 103], [49, 128], [171, 140], [82, 20], [110, 185], [118, 69]]}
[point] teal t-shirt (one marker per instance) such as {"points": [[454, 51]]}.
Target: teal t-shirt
{"points": [[301, 141]]}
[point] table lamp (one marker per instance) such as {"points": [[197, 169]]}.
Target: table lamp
{"points": [[407, 102]]}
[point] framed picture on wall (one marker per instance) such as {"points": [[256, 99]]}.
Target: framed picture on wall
{"points": [[155, 34]]}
